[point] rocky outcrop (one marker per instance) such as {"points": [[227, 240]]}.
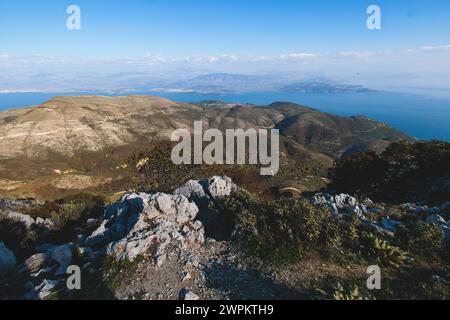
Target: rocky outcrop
{"points": [[344, 204], [25, 219], [168, 232], [44, 272], [13, 211], [206, 191], [443, 225], [141, 222]]}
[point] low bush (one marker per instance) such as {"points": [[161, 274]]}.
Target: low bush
{"points": [[284, 230], [381, 251], [421, 238], [337, 289], [404, 172]]}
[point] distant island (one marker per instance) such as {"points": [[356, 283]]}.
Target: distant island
{"points": [[232, 83], [323, 86]]}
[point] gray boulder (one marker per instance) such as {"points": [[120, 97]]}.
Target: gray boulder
{"points": [[389, 224], [368, 203], [25, 219], [188, 295], [43, 291], [441, 224], [220, 187], [63, 255], [436, 219], [204, 192], [34, 264], [140, 222], [343, 204], [344, 201], [193, 190]]}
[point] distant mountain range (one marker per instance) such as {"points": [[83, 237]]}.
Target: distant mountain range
{"points": [[229, 83], [224, 83], [208, 83]]}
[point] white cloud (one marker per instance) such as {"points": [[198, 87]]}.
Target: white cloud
{"points": [[53, 72], [298, 56], [360, 54], [435, 48], [160, 60]]}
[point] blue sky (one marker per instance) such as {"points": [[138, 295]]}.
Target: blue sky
{"points": [[246, 27], [188, 37]]}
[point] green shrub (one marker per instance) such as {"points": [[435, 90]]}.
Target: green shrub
{"points": [[381, 250], [281, 231], [346, 290], [404, 172], [421, 238], [74, 209]]}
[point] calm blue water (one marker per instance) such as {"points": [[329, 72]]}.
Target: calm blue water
{"points": [[420, 116]]}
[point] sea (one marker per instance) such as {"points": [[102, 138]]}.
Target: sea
{"points": [[422, 116]]}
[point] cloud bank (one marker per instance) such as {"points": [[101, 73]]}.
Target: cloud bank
{"points": [[428, 65]]}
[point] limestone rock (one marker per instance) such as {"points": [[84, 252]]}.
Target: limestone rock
{"points": [[193, 190], [142, 222], [63, 255], [389, 224], [206, 191], [25, 219], [436, 219], [188, 295], [36, 262], [219, 187], [44, 290]]}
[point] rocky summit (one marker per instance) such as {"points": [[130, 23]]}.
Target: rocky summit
{"points": [[92, 207], [160, 240]]}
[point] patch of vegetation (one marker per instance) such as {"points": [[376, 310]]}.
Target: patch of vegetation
{"points": [[382, 251], [155, 172], [69, 210], [68, 216], [283, 231], [339, 289], [416, 284], [107, 275], [421, 238], [405, 171]]}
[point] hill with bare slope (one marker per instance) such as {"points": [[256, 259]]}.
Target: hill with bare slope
{"points": [[85, 142]]}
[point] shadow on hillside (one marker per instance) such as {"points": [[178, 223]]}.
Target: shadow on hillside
{"points": [[17, 237], [218, 227], [247, 284]]}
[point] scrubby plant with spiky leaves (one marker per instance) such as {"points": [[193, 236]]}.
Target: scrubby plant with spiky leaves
{"points": [[383, 251], [340, 291]]}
